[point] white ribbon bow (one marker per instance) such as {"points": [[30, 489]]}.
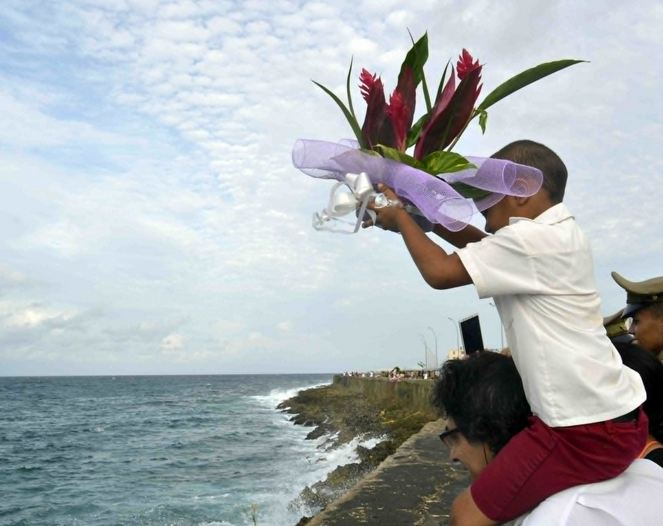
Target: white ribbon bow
{"points": [[343, 203]]}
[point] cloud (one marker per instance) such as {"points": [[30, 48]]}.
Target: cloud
{"points": [[284, 326], [146, 189], [32, 316], [172, 342], [27, 126], [11, 279]]}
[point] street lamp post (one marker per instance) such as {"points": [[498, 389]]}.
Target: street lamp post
{"points": [[437, 363], [455, 324], [423, 339]]}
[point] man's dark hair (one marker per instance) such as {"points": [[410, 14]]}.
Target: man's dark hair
{"points": [[484, 396], [650, 370], [539, 156]]}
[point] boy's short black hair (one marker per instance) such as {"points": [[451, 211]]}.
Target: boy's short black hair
{"points": [[485, 397], [650, 370], [539, 156]]}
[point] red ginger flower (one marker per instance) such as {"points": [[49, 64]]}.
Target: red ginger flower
{"points": [[387, 124], [401, 119], [453, 108], [369, 84], [465, 64], [401, 106], [375, 127]]}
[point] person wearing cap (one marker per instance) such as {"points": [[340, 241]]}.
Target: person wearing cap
{"points": [[537, 266], [644, 305]]}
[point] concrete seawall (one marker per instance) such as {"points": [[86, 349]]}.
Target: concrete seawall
{"points": [[416, 393], [414, 486]]}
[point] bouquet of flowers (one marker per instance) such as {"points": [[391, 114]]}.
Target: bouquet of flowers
{"points": [[436, 182]]}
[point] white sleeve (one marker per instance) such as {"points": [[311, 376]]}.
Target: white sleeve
{"points": [[499, 265]]}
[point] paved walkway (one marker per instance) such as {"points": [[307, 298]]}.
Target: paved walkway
{"points": [[414, 486]]}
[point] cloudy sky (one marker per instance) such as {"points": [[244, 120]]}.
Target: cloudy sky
{"points": [[151, 220]]}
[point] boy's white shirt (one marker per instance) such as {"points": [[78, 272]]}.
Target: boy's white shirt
{"points": [[540, 274], [631, 499]]}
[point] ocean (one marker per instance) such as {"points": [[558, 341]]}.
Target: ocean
{"points": [[157, 450]]}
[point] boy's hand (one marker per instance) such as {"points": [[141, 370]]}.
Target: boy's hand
{"points": [[387, 216]]}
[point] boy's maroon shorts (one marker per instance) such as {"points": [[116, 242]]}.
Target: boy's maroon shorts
{"points": [[540, 461]]}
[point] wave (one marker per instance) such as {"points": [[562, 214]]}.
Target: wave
{"points": [[278, 395], [312, 462]]}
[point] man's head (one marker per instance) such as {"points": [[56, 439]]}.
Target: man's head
{"points": [[647, 328], [537, 155], [483, 398], [644, 305]]}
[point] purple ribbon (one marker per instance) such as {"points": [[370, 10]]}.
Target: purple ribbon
{"points": [[435, 198]]}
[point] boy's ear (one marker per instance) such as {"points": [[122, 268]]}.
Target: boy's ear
{"points": [[521, 201]]}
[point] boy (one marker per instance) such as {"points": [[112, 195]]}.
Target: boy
{"points": [[537, 265]]}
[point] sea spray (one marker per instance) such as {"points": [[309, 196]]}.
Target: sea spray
{"points": [[365, 419]]}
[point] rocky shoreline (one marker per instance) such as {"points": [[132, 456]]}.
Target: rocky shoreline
{"points": [[361, 407]]}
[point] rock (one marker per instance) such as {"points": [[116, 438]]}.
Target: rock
{"points": [[351, 407], [416, 486]]}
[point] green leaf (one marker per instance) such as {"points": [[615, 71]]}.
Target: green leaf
{"points": [[370, 152], [442, 80], [439, 162], [469, 191], [416, 58], [424, 84], [483, 119], [442, 162], [347, 89], [397, 155], [436, 163], [523, 79], [415, 131], [351, 118]]}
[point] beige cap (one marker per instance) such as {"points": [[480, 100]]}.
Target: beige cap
{"points": [[639, 294]]}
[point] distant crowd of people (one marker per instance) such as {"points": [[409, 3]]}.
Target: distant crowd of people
{"points": [[396, 374]]}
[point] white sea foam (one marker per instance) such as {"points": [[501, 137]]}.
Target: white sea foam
{"points": [[305, 462], [370, 443], [276, 396]]}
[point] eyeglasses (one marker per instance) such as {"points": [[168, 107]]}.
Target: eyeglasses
{"points": [[446, 437]]}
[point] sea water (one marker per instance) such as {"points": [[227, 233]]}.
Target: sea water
{"points": [[156, 450]]}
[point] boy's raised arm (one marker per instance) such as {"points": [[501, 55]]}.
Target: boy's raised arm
{"points": [[439, 269], [469, 234]]}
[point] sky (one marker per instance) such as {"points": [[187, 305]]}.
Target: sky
{"points": [[151, 221]]}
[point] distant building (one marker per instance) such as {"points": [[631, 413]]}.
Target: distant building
{"points": [[456, 354]]}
